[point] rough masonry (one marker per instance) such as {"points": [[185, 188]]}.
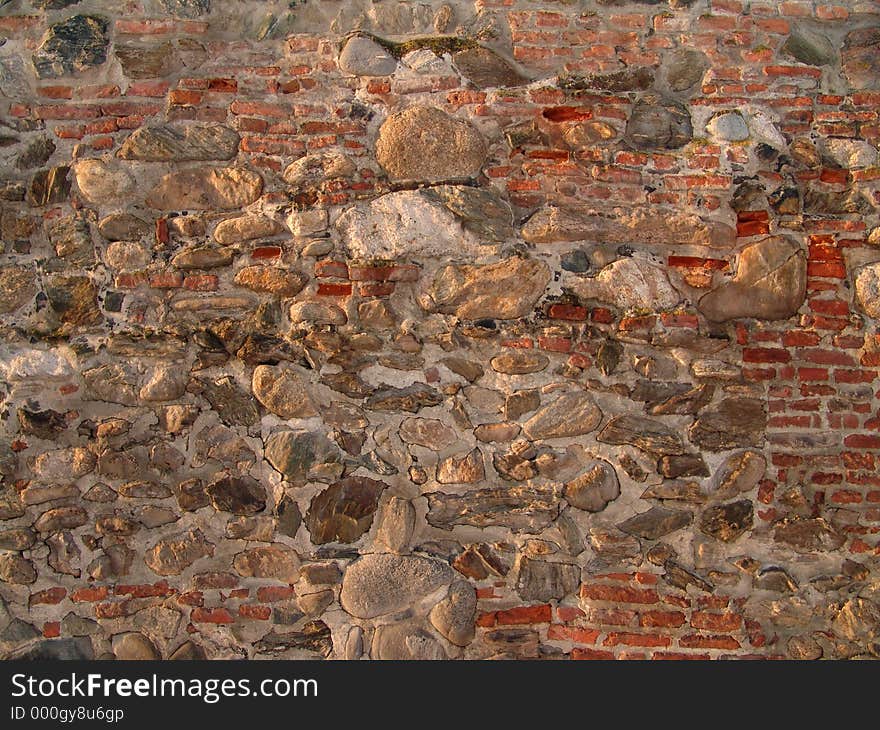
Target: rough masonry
{"points": [[493, 329]]}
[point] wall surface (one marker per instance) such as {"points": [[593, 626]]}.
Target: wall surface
{"points": [[494, 329]]}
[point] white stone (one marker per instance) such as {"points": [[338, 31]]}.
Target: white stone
{"points": [[102, 183], [851, 153], [307, 222], [50, 364], [630, 283], [729, 127]]}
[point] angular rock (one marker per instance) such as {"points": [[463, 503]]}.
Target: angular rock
{"points": [[454, 616], [426, 144], [467, 469], [630, 284], [571, 414], [147, 61], [71, 238], [317, 313], [770, 283], [293, 453], [186, 8], [860, 57], [734, 423], [808, 46], [644, 433], [71, 46], [206, 188], [16, 569], [362, 56], [179, 143], [726, 522], [412, 398], [656, 522], [381, 583], [61, 518], [594, 489], [238, 495], [100, 182], [851, 153], [739, 472], [638, 78], [234, 406], [427, 432], [540, 580], [508, 289], [344, 511], [75, 301], [173, 555], [314, 638], [49, 186], [520, 508], [808, 535], [867, 289], [676, 490], [283, 392], [554, 224], [657, 123]]}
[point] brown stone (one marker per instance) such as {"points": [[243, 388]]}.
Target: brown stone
{"points": [[283, 392], [734, 423], [205, 189], [274, 562], [571, 414], [238, 495], [467, 469], [644, 433], [594, 489], [271, 280], [344, 511], [656, 522], [172, 555], [726, 522], [519, 363], [180, 143], [520, 508], [17, 288], [245, 228]]}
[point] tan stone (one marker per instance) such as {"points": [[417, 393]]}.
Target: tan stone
{"points": [[271, 280], [245, 228], [283, 392], [206, 188]]}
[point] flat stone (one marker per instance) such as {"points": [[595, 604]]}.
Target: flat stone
{"points": [[637, 78], [658, 123], [61, 518], [271, 280], [739, 472], [860, 57], [49, 186], [656, 522], [315, 639], [683, 69], [294, 453], [809, 46], [344, 511], [821, 202], [180, 143], [808, 535], [427, 432], [147, 61], [203, 257], [519, 363], [770, 283], [454, 616], [467, 469], [245, 228], [317, 313], [595, 488], [734, 423], [676, 490], [283, 392], [485, 69], [571, 414], [426, 144], [238, 495], [395, 525], [519, 508], [504, 290], [728, 127], [173, 555], [71, 46], [134, 647], [646, 434], [274, 562], [412, 398], [17, 288], [634, 226], [497, 432], [381, 583], [726, 522], [221, 188], [123, 227], [233, 404], [673, 466], [540, 580], [630, 284], [362, 56]]}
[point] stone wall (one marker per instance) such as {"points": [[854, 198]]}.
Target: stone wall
{"points": [[507, 328]]}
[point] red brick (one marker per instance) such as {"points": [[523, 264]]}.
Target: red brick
{"points": [[695, 641], [49, 596], [672, 619], [575, 634], [591, 654], [52, 629], [616, 638], [765, 354], [212, 616], [334, 290], [89, 595], [570, 312], [524, 615], [716, 621], [259, 613]]}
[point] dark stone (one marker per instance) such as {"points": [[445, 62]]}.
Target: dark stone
{"points": [[860, 58], [827, 202], [181, 143], [608, 356], [808, 535], [315, 637], [42, 424], [808, 47], [288, 517], [293, 453], [478, 210], [411, 398], [682, 465], [74, 300], [643, 433], [680, 577], [521, 508], [656, 522], [726, 522], [653, 392], [71, 238], [49, 186], [78, 43], [676, 490], [485, 69], [37, 153], [734, 423], [146, 61], [576, 261], [541, 580], [775, 579], [657, 123], [513, 467], [186, 8], [344, 511], [687, 403], [233, 404], [238, 495], [631, 79]]}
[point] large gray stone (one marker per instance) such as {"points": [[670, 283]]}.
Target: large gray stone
{"points": [[541, 580], [658, 123], [362, 56], [71, 46], [178, 143], [454, 616], [282, 391], [860, 58], [595, 488]]}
